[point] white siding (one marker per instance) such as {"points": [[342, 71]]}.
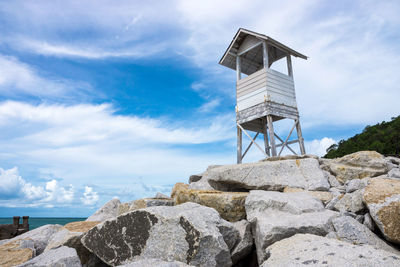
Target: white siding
{"points": [[265, 85]]}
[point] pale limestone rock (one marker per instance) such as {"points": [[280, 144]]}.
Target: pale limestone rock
{"points": [[39, 236], [382, 197], [350, 230], [144, 203], [230, 205], [70, 236], [155, 263], [268, 175], [59, 257], [312, 250], [352, 202], [368, 222], [188, 233], [276, 215], [356, 184], [324, 196], [358, 165], [16, 252], [108, 211], [245, 241], [394, 173]]}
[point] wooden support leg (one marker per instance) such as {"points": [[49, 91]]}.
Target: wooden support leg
{"points": [[300, 137], [271, 135], [265, 133], [239, 145]]}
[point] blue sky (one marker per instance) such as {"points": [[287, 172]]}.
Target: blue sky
{"points": [[102, 99]]}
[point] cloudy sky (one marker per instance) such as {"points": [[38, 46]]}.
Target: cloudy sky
{"points": [[102, 99]]}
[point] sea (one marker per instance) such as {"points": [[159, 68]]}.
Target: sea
{"points": [[35, 222]]}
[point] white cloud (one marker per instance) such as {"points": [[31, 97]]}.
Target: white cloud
{"points": [[18, 78], [210, 105], [318, 147], [90, 197], [14, 187]]}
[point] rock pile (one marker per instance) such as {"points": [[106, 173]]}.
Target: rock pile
{"points": [[286, 211]]}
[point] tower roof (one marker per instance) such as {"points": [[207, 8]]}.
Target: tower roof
{"points": [[252, 60]]}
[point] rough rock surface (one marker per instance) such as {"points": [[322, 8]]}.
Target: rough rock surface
{"points": [[189, 233], [144, 203], [356, 184], [352, 202], [59, 257], [244, 244], [350, 230], [368, 222], [155, 263], [382, 197], [108, 211], [394, 173], [325, 197], [269, 175], [16, 252], [358, 165], [70, 236], [39, 236], [276, 215], [312, 250], [230, 205]]}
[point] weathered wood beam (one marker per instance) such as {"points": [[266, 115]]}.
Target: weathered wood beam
{"points": [[250, 48], [287, 138], [271, 135], [238, 68], [251, 143], [286, 145], [289, 65], [300, 137], [265, 55], [239, 145], [289, 143], [251, 139]]}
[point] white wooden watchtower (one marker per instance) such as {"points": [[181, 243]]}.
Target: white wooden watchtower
{"points": [[264, 95]]}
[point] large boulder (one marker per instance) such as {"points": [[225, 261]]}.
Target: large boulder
{"points": [[144, 203], [155, 263], [325, 197], [352, 202], [108, 211], [60, 257], [350, 230], [188, 233], [382, 197], [276, 215], [230, 205], [244, 244], [15, 252], [358, 165], [312, 250], [70, 236], [39, 236], [268, 175]]}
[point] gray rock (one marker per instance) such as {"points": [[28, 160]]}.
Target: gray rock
{"points": [[306, 249], [155, 263], [108, 211], [244, 244], [356, 184], [59, 257], [39, 236], [350, 230], [195, 178], [188, 233], [360, 218], [144, 203], [358, 165], [269, 175], [368, 222], [331, 204], [161, 196], [332, 180], [352, 202], [394, 173], [276, 215]]}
